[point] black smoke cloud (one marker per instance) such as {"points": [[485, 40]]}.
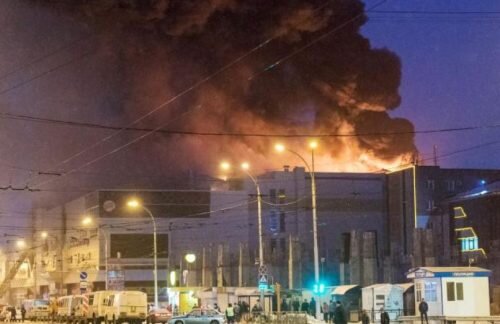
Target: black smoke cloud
{"points": [[339, 84]]}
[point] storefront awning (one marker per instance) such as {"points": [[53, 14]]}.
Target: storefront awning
{"points": [[248, 291], [342, 290], [405, 286]]}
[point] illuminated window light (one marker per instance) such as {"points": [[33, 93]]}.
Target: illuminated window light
{"points": [[470, 244]]}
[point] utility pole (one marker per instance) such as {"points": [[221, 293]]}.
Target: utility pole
{"points": [[290, 262]]}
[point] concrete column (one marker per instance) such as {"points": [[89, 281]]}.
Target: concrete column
{"points": [[355, 261], [369, 274]]}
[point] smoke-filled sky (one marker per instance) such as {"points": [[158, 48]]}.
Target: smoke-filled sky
{"points": [[450, 53], [111, 62]]}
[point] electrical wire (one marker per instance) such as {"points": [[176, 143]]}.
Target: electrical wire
{"points": [[239, 134], [190, 89]]}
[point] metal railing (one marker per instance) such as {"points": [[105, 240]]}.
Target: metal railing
{"points": [[273, 317]]}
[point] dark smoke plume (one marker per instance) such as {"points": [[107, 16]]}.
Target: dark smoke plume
{"points": [[338, 85]]}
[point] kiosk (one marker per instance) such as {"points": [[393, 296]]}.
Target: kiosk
{"points": [[387, 296], [452, 291]]}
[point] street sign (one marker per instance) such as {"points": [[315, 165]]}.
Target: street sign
{"points": [[83, 286], [83, 276], [263, 282]]}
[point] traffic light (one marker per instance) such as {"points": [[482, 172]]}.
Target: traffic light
{"points": [[319, 288]]}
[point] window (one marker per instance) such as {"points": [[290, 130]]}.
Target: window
{"points": [[142, 247], [272, 195], [470, 244], [450, 291], [195, 313], [281, 196], [430, 291], [91, 299], [450, 185], [283, 245], [273, 221], [418, 290], [460, 291], [430, 204], [282, 222], [273, 245], [430, 184], [455, 291]]}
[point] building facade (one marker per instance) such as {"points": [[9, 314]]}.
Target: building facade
{"points": [[371, 228]]}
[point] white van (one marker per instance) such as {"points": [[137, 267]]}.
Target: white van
{"points": [[70, 309], [126, 306], [64, 310], [36, 309], [96, 302]]}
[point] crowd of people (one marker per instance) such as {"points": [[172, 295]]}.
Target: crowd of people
{"points": [[13, 314]]}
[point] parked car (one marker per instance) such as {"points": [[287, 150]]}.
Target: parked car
{"points": [[126, 306], [160, 315], [198, 316]]}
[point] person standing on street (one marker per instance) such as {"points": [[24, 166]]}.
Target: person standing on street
{"points": [[339, 314], [384, 317], [296, 304], [230, 314], [312, 307], [325, 311], [423, 308], [23, 313], [305, 307], [13, 314], [365, 319], [331, 311]]}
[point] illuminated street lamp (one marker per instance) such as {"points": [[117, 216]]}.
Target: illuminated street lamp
{"points": [[135, 204], [21, 243], [87, 220], [312, 145], [190, 257], [44, 235], [245, 166]]}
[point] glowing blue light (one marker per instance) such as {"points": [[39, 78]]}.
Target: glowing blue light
{"points": [[319, 288], [483, 192], [482, 182]]}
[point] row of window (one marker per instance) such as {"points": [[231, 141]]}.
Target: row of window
{"points": [[451, 185], [277, 196], [275, 224], [454, 291], [283, 244], [470, 244]]}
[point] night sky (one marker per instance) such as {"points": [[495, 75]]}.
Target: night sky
{"points": [[451, 73], [450, 77]]}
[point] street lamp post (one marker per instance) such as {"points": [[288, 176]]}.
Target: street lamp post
{"points": [[312, 145], [245, 167], [190, 258], [136, 204], [87, 221]]}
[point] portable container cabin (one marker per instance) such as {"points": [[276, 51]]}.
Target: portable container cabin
{"points": [[386, 296], [452, 291]]}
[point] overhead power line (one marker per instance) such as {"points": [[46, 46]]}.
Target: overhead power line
{"points": [[238, 134], [196, 85]]}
